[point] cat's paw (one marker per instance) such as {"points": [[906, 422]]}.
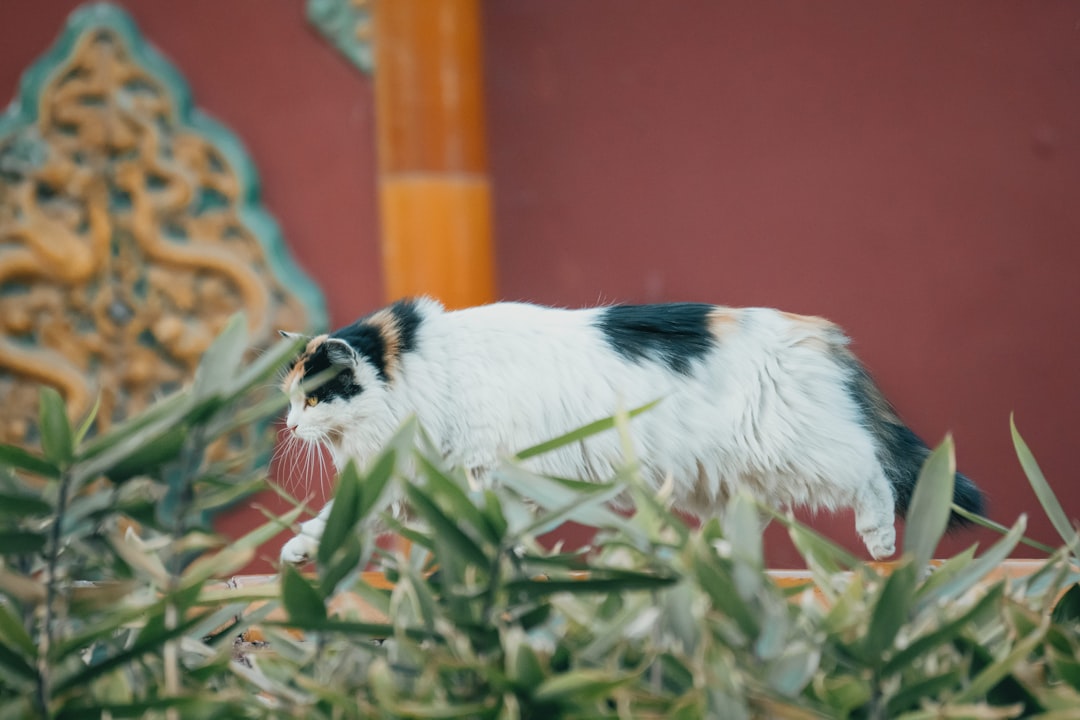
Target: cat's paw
{"points": [[299, 550], [881, 542]]}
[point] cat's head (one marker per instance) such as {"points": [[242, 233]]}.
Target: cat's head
{"points": [[340, 383]]}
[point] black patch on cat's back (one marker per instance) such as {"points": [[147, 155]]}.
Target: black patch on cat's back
{"points": [[407, 319], [675, 334]]}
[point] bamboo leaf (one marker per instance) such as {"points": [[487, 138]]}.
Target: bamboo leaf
{"points": [[378, 477], [931, 505], [912, 694], [22, 506], [1067, 608], [15, 542], [1042, 489], [1066, 665], [452, 494], [221, 361], [344, 513], [301, 600], [446, 531], [625, 582], [579, 434], [997, 670], [88, 421], [965, 579], [14, 634], [56, 438], [890, 612], [790, 673], [151, 643], [15, 664], [580, 686], [19, 459], [944, 633]]}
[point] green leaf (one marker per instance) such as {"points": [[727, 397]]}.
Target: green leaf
{"points": [[890, 612], [549, 493], [966, 579], [301, 600], [579, 434], [843, 693], [949, 568], [13, 542], [1042, 489], [716, 581], [151, 643], [1066, 665], [344, 560], [999, 528], [15, 664], [221, 362], [931, 505], [790, 673], [1000, 668], [344, 513], [378, 477], [56, 438], [19, 459], [814, 547], [922, 688], [944, 633], [163, 413], [149, 456], [624, 581], [448, 534], [264, 366], [1067, 609], [84, 426], [23, 506], [14, 634], [450, 493], [580, 686]]}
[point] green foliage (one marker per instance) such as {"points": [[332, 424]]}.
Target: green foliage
{"points": [[658, 620], [97, 622]]}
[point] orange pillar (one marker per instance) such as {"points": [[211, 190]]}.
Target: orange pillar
{"points": [[434, 193]]}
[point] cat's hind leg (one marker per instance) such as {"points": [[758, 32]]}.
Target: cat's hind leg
{"points": [[875, 517]]}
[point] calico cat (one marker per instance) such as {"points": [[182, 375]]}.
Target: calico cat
{"points": [[754, 399]]}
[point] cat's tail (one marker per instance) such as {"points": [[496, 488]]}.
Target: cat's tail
{"points": [[902, 452]]}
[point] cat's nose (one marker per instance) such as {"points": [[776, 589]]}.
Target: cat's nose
{"points": [[290, 426]]}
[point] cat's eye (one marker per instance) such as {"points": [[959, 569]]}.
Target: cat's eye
{"points": [[311, 401]]}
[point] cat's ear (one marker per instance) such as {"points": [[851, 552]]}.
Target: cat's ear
{"points": [[292, 335], [340, 352]]}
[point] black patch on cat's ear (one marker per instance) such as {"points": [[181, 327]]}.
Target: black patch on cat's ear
{"points": [[407, 318], [674, 334], [318, 364], [365, 340], [339, 352]]}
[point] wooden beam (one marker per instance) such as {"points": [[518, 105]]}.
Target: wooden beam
{"points": [[434, 192]]}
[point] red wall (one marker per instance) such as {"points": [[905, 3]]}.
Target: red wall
{"points": [[909, 170]]}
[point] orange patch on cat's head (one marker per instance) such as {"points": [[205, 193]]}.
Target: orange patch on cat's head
{"points": [[296, 372]]}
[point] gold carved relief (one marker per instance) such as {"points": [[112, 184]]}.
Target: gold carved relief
{"points": [[130, 231]]}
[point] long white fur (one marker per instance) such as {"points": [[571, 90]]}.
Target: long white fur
{"points": [[765, 410]]}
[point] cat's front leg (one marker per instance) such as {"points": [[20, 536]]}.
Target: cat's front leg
{"points": [[305, 546]]}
